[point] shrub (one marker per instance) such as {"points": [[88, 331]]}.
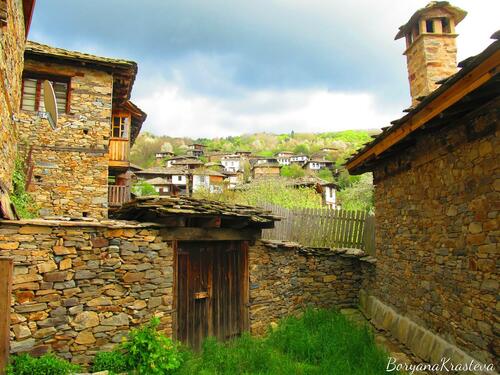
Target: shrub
{"points": [[293, 171], [142, 188], [115, 362], [47, 364], [23, 202], [149, 352]]}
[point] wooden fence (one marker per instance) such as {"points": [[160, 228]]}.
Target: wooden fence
{"points": [[321, 227], [6, 271]]}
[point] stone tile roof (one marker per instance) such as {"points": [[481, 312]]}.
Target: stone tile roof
{"points": [[206, 172], [458, 13], [158, 181], [156, 208], [35, 48]]}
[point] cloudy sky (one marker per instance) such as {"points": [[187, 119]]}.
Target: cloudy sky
{"points": [[210, 68]]}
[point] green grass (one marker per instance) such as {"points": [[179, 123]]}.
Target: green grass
{"points": [[319, 342]]}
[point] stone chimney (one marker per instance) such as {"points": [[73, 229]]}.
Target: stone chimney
{"points": [[431, 51]]}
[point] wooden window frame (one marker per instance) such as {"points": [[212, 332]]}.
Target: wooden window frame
{"points": [[40, 77], [121, 114]]}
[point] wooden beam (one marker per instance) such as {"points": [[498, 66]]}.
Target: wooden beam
{"points": [[477, 77], [209, 234], [6, 270]]}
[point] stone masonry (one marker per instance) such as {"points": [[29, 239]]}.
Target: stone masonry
{"points": [[286, 278], [71, 163], [437, 233], [12, 39], [79, 287]]}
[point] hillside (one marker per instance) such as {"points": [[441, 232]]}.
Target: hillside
{"points": [[264, 144]]}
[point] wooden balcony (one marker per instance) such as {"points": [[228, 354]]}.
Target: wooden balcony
{"points": [[118, 195], [119, 152]]}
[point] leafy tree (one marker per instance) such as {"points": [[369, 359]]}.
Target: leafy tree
{"points": [[301, 149], [142, 188], [292, 171], [359, 195], [325, 174]]}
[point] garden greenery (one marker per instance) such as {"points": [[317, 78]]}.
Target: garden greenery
{"points": [[23, 202], [48, 364]]}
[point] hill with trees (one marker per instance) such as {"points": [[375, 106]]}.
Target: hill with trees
{"points": [[262, 144]]}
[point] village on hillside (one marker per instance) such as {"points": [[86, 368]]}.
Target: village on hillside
{"points": [[373, 254]]}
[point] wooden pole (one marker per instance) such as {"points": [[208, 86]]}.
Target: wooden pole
{"points": [[6, 270]]}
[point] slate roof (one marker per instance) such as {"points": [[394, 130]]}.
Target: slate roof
{"points": [[156, 208]]}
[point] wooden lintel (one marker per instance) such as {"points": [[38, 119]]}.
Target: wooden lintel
{"points": [[209, 234], [477, 77]]}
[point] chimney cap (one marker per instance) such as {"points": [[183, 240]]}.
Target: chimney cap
{"points": [[458, 14]]}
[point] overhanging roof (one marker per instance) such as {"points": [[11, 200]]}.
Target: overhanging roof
{"points": [[477, 71]]}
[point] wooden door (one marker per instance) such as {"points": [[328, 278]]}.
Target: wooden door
{"points": [[212, 290]]}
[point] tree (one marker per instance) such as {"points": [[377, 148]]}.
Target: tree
{"points": [[292, 171], [326, 175], [301, 149]]}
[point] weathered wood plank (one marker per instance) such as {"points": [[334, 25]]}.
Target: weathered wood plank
{"points": [[209, 234], [6, 271]]}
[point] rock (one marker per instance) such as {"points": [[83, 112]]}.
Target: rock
{"points": [[44, 332], [137, 305], [475, 228], [132, 277], [85, 338], [47, 266], [9, 245], [65, 264], [22, 346], [21, 331], [57, 276], [84, 274], [120, 319], [86, 319], [100, 301], [30, 307], [62, 250]]}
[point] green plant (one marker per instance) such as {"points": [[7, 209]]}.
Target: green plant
{"points": [[48, 364], [293, 171], [23, 202], [149, 352], [115, 362], [142, 188]]}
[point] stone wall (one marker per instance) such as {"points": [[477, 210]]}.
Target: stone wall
{"points": [[71, 163], [430, 58], [437, 233], [286, 279], [79, 287], [12, 40]]}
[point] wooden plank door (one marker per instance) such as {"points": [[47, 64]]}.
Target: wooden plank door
{"points": [[212, 293]]}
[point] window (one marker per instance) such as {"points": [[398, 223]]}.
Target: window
{"points": [[429, 26], [445, 24], [32, 95], [121, 126], [179, 178]]}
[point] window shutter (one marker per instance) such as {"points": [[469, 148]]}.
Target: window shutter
{"points": [[29, 94]]}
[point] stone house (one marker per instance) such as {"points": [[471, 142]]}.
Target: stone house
{"points": [[232, 163], [177, 179], [208, 179], [196, 149], [437, 188], [15, 19], [87, 154], [265, 170], [163, 155]]}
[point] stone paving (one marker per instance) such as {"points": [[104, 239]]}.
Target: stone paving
{"points": [[384, 340]]}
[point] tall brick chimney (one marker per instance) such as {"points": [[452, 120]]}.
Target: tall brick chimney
{"points": [[431, 51]]}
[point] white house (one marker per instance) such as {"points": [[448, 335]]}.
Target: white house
{"points": [[282, 160], [329, 194], [316, 165], [299, 159], [232, 163]]}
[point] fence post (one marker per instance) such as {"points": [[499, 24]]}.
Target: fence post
{"points": [[6, 270]]}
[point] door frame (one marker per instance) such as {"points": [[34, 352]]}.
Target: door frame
{"points": [[245, 311]]}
